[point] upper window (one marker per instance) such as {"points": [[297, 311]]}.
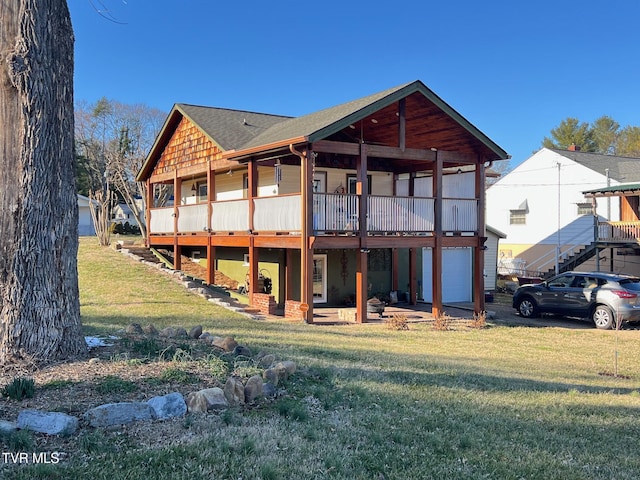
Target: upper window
{"points": [[352, 180], [585, 209], [517, 217]]}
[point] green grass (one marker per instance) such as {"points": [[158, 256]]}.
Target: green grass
{"points": [[370, 402]]}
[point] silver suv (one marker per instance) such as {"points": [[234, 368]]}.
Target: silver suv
{"points": [[606, 298]]}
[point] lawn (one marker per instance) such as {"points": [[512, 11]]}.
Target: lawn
{"points": [[368, 402]]}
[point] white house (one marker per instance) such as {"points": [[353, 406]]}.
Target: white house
{"points": [[541, 207], [85, 223], [121, 213]]}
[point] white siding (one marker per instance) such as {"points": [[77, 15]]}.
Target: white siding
{"points": [[535, 181]]}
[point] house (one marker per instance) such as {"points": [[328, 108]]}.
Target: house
{"points": [[85, 222], [122, 213], [332, 207], [620, 238], [548, 221]]}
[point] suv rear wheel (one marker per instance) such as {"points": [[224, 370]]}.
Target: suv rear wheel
{"points": [[527, 307], [603, 317]]}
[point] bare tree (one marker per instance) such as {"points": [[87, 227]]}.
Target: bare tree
{"points": [[39, 300], [116, 138]]}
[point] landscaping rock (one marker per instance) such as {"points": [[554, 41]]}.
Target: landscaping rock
{"points": [[119, 414], [51, 423], [7, 427], [269, 390], [234, 391], [241, 350], [207, 399], [253, 389], [168, 332], [195, 332], [150, 329], [134, 329], [271, 375], [267, 360], [285, 369], [168, 406], [227, 344], [206, 337]]}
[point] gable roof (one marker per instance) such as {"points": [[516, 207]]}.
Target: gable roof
{"points": [[621, 169], [241, 133], [323, 123]]}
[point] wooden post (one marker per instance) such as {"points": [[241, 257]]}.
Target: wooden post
{"points": [[147, 212], [478, 267], [436, 278], [362, 188], [413, 288], [306, 252], [211, 250], [252, 178], [177, 200], [288, 282]]}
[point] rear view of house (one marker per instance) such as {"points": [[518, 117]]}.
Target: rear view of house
{"points": [[332, 207]]}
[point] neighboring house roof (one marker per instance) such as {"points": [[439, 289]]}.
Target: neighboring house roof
{"points": [[241, 133], [621, 169], [85, 201], [496, 232], [627, 188]]}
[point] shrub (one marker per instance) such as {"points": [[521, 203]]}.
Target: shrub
{"points": [[442, 322], [20, 388], [398, 321], [479, 320]]}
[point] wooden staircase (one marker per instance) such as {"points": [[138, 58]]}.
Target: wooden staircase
{"points": [[573, 261]]}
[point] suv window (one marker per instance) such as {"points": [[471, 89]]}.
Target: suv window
{"points": [[631, 284], [561, 282]]}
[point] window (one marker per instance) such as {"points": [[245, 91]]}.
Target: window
{"points": [[517, 217], [352, 179], [585, 209], [202, 191]]}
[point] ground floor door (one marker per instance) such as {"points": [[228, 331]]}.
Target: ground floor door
{"points": [[457, 275], [319, 279]]}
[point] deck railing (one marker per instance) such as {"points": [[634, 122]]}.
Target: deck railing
{"points": [[277, 214], [619, 231], [192, 218], [333, 213], [161, 220], [459, 214]]}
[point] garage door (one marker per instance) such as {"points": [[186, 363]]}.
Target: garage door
{"points": [[456, 275]]}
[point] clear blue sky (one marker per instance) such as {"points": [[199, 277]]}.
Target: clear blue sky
{"points": [[513, 69]]}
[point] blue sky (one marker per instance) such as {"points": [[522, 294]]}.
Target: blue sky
{"points": [[513, 69]]}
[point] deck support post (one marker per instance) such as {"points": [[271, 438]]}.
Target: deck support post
{"points": [[478, 257], [436, 279], [177, 200], [362, 187]]}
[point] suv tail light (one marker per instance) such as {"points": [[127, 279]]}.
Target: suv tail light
{"points": [[624, 294]]}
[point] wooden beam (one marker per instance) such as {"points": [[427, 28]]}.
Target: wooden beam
{"points": [[211, 264], [253, 270], [478, 257], [413, 268], [177, 200], [402, 124], [342, 148], [436, 269], [361, 285]]}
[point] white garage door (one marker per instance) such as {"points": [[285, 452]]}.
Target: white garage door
{"points": [[456, 275]]}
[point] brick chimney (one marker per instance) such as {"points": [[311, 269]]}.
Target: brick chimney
{"points": [[574, 148]]}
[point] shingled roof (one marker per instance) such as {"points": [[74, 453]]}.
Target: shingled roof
{"points": [[242, 133], [621, 169]]}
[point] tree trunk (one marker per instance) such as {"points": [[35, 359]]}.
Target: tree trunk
{"points": [[39, 301]]}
